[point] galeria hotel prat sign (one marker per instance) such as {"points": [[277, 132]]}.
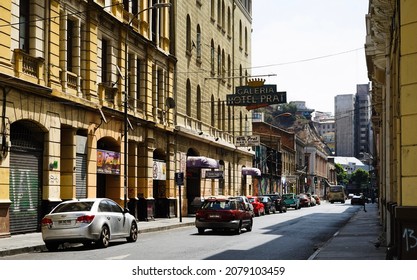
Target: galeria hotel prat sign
{"points": [[247, 95]]}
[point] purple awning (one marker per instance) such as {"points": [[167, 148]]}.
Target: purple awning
{"points": [[202, 162], [252, 171]]}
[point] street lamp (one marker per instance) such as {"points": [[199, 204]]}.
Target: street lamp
{"points": [[126, 99]]}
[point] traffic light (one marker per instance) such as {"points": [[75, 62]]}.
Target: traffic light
{"points": [[315, 180]]}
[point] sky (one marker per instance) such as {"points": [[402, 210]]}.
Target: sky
{"points": [[311, 49]]}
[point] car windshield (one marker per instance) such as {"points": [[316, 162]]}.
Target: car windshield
{"points": [[287, 196], [251, 199], [219, 205], [336, 189], [74, 207]]}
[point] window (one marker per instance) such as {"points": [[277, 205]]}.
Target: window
{"points": [[188, 98], [219, 61], [240, 34], [188, 35], [126, 5], [139, 77], [70, 44], [198, 42], [104, 60], [198, 103], [212, 56], [24, 26]]}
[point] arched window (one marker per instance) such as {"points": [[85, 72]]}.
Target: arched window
{"points": [[198, 103], [188, 98], [229, 69], [198, 43], [212, 9], [219, 61], [246, 39], [219, 115], [212, 59], [229, 22], [240, 34], [212, 111], [188, 35], [223, 64]]}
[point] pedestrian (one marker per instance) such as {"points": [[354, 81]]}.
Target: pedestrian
{"points": [[363, 202]]}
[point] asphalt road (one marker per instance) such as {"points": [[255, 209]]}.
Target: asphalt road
{"points": [[294, 235]]}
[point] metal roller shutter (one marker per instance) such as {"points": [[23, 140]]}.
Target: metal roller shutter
{"points": [[81, 176], [25, 190]]}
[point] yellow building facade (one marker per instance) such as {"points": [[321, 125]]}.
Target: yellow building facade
{"points": [[391, 52], [112, 98], [66, 70]]}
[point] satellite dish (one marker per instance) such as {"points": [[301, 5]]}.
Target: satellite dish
{"points": [[170, 103]]}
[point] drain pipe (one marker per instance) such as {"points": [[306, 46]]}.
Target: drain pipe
{"points": [[4, 144]]}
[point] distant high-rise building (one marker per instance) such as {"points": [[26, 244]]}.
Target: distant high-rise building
{"points": [[353, 126], [345, 125], [363, 135]]}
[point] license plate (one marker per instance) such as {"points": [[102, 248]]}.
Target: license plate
{"points": [[215, 216], [64, 222]]}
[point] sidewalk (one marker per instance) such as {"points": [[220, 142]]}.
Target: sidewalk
{"points": [[355, 241]]}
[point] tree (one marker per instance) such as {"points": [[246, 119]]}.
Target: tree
{"points": [[341, 175], [361, 178]]}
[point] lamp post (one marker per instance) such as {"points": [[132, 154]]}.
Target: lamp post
{"points": [[126, 99]]}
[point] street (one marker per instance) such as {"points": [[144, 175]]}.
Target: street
{"points": [[294, 235]]}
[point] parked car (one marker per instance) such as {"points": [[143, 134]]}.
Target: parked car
{"points": [[223, 214], [245, 201], [268, 204], [279, 202], [317, 198], [291, 200], [357, 199], [87, 221], [258, 206], [304, 200], [312, 199]]}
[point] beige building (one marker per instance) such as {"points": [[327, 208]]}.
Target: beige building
{"points": [[391, 53], [212, 45], [85, 83]]}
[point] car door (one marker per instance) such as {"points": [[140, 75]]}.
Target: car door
{"points": [[119, 219], [112, 219]]}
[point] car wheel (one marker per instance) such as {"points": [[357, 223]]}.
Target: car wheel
{"points": [[104, 240], [52, 246], [200, 230], [249, 227], [133, 233]]}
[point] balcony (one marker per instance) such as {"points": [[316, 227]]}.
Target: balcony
{"points": [[29, 68]]}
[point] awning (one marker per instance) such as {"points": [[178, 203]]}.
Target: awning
{"points": [[202, 162], [252, 171]]}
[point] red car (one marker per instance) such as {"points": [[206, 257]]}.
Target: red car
{"points": [[223, 214], [258, 206], [304, 200]]}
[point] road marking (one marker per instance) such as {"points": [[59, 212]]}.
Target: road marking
{"points": [[118, 257]]}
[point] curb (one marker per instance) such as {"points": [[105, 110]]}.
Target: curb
{"points": [[146, 230]]}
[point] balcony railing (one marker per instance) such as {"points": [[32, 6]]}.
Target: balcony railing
{"points": [[28, 67]]}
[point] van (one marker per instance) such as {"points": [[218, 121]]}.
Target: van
{"points": [[336, 193]]}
